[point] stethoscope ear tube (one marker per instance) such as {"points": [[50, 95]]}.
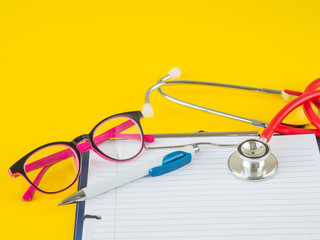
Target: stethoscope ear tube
{"points": [[276, 126]]}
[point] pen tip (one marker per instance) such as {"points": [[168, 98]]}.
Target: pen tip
{"points": [[76, 197]]}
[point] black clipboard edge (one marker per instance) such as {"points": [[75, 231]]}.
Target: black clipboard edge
{"points": [[82, 182]]}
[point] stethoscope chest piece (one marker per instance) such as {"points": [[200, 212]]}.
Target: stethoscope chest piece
{"points": [[253, 161]]}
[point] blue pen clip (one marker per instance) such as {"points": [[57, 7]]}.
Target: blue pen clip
{"points": [[171, 162]]}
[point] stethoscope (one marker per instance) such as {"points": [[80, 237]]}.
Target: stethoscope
{"points": [[252, 160]]}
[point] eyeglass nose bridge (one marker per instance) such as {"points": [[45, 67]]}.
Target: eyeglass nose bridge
{"points": [[77, 140], [82, 143]]}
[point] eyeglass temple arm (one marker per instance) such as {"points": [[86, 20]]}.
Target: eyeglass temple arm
{"points": [[104, 136], [28, 195], [115, 132]]}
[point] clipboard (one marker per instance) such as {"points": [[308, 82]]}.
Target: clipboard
{"points": [[82, 183]]}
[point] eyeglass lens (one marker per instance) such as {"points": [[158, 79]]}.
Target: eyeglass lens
{"points": [[52, 168], [119, 138]]}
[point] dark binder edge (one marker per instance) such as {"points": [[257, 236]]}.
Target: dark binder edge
{"points": [[78, 225]]}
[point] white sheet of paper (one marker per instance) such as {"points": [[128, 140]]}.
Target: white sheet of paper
{"points": [[203, 200]]}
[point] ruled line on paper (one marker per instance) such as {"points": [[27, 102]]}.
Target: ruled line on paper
{"points": [[206, 219], [203, 200]]}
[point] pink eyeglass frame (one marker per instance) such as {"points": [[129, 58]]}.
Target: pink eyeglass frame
{"points": [[76, 147]]}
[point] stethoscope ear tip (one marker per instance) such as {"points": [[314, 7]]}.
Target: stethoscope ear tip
{"points": [[147, 110], [174, 73]]}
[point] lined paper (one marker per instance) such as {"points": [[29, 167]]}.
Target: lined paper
{"points": [[203, 200]]}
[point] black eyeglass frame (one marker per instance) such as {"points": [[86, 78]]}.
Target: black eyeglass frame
{"points": [[18, 168]]}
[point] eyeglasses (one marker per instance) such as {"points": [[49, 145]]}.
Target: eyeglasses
{"points": [[55, 167]]}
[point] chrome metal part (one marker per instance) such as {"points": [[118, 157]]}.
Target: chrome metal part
{"points": [[76, 197], [161, 82], [206, 134], [253, 161], [192, 144], [195, 148]]}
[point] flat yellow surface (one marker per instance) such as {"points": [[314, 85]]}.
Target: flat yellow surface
{"points": [[65, 65]]}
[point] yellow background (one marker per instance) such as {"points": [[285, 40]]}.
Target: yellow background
{"points": [[65, 65]]}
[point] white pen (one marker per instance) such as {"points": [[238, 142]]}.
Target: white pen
{"points": [[155, 167]]}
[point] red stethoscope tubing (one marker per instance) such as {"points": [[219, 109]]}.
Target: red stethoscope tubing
{"points": [[309, 95]]}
